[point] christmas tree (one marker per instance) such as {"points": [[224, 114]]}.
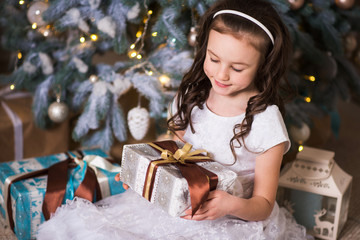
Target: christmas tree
{"points": [[56, 42]]}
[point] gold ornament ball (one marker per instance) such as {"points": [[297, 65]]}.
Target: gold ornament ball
{"points": [[93, 78], [344, 4], [296, 4], [58, 112], [192, 37], [300, 135], [35, 11]]}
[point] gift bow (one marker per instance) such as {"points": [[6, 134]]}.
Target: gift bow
{"points": [[182, 155], [200, 180], [95, 163]]}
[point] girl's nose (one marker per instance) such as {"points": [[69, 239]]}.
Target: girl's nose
{"points": [[222, 73]]}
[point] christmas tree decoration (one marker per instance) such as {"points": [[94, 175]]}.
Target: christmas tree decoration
{"points": [[192, 36], [316, 191], [300, 134], [93, 78], [138, 121], [35, 11], [58, 111], [296, 4], [345, 4]]}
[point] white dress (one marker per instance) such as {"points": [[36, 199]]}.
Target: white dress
{"points": [[129, 216]]}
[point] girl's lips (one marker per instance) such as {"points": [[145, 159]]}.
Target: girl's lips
{"points": [[221, 85]]}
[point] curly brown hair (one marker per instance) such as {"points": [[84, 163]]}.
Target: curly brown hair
{"points": [[195, 86]]}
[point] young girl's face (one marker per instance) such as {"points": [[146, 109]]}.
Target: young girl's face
{"points": [[231, 64]]}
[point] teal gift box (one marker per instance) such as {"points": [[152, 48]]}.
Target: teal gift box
{"points": [[27, 196]]}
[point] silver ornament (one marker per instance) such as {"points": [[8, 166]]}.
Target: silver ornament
{"points": [[192, 36], [138, 122], [58, 111], [300, 135], [35, 11]]}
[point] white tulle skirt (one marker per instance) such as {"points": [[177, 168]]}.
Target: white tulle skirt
{"points": [[129, 216]]}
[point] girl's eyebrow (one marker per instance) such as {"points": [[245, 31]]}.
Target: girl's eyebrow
{"points": [[236, 63]]}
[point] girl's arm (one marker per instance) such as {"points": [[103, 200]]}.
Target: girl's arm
{"points": [[260, 205]]}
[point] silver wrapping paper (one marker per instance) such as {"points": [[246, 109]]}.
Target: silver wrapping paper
{"points": [[170, 190]]}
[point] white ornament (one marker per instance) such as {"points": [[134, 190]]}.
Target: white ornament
{"points": [[134, 11], [107, 25], [300, 135], [35, 11], [58, 111], [100, 88], [46, 63], [138, 122]]}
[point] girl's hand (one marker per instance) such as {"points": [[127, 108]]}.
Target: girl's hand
{"points": [[215, 207], [117, 178]]}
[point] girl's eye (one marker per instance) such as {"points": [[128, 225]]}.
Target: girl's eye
{"points": [[213, 60], [237, 70]]}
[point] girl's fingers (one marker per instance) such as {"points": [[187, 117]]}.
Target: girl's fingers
{"points": [[117, 177], [125, 186]]}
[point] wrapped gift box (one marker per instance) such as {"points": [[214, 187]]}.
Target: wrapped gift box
{"points": [[170, 191], [27, 195], [31, 141]]}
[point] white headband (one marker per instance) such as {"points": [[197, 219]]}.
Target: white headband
{"points": [[249, 18]]}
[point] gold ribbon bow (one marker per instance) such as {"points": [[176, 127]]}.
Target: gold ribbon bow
{"points": [[197, 177]]}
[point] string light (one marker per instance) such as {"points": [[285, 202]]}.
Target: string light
{"points": [[12, 87], [19, 55], [164, 80], [138, 34], [132, 53], [82, 39], [307, 99], [21, 2], [94, 37], [301, 147], [154, 34], [310, 78], [150, 73], [34, 26]]}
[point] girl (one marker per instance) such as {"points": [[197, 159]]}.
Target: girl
{"points": [[229, 104]]}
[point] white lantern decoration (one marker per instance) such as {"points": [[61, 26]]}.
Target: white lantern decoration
{"points": [[317, 191]]}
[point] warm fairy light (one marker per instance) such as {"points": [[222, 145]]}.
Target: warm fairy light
{"points": [[310, 78], [139, 56], [37, 12], [154, 34], [150, 73], [132, 46], [94, 37], [132, 53], [301, 147], [21, 2], [138, 34], [82, 39], [150, 12], [308, 99], [46, 33], [12, 87], [19, 55], [164, 80], [34, 26]]}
